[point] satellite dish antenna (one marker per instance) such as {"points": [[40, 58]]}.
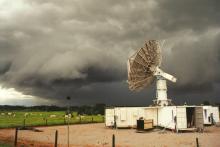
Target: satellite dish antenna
{"points": [[144, 68]]}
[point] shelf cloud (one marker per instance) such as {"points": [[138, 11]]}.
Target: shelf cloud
{"points": [[54, 49]]}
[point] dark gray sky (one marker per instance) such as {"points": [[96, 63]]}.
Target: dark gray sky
{"points": [[51, 49]]}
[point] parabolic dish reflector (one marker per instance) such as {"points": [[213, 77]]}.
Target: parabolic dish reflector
{"points": [[142, 65]]}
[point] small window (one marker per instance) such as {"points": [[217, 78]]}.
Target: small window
{"points": [[205, 111], [172, 116], [123, 114]]}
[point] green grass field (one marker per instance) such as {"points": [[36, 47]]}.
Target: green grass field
{"points": [[5, 145], [18, 119]]}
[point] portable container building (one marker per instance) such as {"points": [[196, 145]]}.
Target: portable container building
{"points": [[210, 115]]}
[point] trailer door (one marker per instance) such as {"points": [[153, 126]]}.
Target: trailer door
{"points": [[199, 117], [109, 117], [215, 112], [181, 117]]}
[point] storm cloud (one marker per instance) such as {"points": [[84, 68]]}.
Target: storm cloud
{"points": [[53, 49]]}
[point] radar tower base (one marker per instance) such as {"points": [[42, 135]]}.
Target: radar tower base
{"points": [[161, 93]]}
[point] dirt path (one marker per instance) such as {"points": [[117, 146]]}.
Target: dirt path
{"points": [[96, 135]]}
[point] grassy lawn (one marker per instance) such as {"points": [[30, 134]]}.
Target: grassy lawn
{"points": [[5, 145], [18, 119]]}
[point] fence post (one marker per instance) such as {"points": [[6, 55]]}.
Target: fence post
{"points": [[80, 120], [113, 140], [56, 138], [16, 137], [46, 121], [197, 142], [92, 119]]}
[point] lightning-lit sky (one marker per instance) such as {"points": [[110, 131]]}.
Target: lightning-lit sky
{"points": [[51, 49]]}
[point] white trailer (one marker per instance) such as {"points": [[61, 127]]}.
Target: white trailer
{"points": [[171, 117], [210, 115]]}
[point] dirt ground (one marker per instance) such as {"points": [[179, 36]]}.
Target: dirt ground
{"points": [[96, 135]]}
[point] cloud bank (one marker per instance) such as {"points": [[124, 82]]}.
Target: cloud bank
{"points": [[54, 49]]}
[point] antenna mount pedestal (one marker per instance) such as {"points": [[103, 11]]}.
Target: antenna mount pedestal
{"points": [[161, 92]]}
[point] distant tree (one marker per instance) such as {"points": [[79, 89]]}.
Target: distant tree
{"points": [[218, 105], [99, 109], [68, 98], [206, 103], [85, 110]]}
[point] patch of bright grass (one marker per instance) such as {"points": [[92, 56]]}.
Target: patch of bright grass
{"points": [[18, 119]]}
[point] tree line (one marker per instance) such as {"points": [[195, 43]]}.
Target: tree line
{"points": [[85, 109]]}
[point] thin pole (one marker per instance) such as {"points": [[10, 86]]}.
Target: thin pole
{"points": [[56, 138], [113, 140], [68, 129], [197, 142], [68, 122], [16, 137]]}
